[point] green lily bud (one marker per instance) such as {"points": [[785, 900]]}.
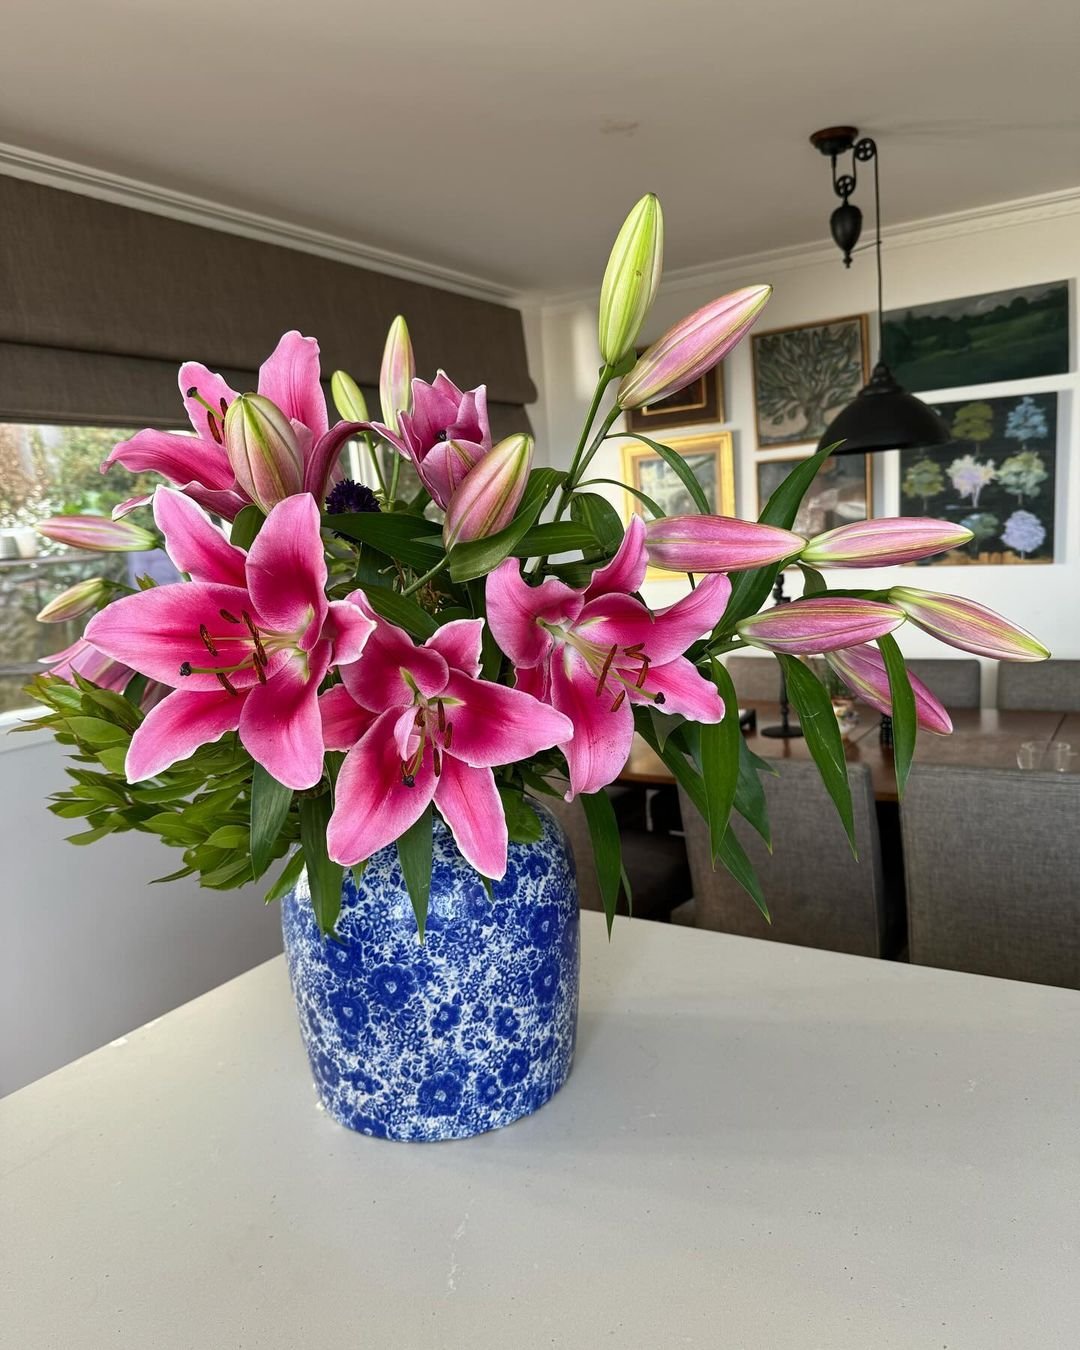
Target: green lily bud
{"points": [[631, 279], [263, 451]]}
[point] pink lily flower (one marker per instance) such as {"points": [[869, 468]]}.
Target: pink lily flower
{"points": [[717, 544], [820, 624], [692, 347], [445, 435], [80, 658], [420, 725], [593, 653], [967, 625], [882, 543], [244, 644], [200, 466], [862, 669]]}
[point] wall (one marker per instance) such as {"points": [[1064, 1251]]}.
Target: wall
{"points": [[1013, 245], [89, 949]]}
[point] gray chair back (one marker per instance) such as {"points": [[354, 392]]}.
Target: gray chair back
{"points": [[1043, 686], [817, 893], [956, 682], [993, 872], [756, 678]]}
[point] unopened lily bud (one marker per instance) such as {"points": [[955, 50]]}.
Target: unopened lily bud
{"points": [[692, 347], [820, 624], [263, 451], [77, 600], [631, 278], [396, 375], [863, 670], [881, 543], [964, 624], [490, 493], [98, 533], [717, 544], [348, 397]]}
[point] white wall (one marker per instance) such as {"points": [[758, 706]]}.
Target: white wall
{"points": [[88, 949], [1012, 246]]}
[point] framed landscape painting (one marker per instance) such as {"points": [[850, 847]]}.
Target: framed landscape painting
{"points": [[701, 401], [804, 376], [996, 476], [980, 339], [710, 458], [839, 495]]}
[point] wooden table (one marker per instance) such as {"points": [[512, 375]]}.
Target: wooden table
{"points": [[982, 738], [759, 1146]]}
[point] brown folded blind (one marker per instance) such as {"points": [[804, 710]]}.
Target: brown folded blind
{"points": [[100, 303]]}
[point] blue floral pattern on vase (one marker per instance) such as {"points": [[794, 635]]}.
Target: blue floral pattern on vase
{"points": [[466, 1033]]}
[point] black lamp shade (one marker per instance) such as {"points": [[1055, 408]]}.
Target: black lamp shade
{"points": [[884, 416]]}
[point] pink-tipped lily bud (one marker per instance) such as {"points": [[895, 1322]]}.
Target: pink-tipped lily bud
{"points": [[717, 544], [820, 624], [98, 533], [348, 397], [631, 278], [863, 670], [964, 624], [692, 347], [881, 543], [77, 600], [490, 493], [263, 451], [396, 375]]}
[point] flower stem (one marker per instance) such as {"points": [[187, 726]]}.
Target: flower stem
{"points": [[420, 581]]}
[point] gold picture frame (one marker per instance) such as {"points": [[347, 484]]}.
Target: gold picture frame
{"points": [[711, 457], [834, 357], [701, 401]]}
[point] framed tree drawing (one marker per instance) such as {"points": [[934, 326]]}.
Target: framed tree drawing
{"points": [[804, 376], [701, 401], [840, 494]]}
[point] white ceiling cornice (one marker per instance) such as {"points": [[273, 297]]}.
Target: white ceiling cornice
{"points": [[1001, 215], [114, 187]]}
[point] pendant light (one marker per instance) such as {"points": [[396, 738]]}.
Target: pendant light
{"points": [[883, 415]]}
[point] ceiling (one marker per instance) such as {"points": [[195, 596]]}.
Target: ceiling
{"points": [[507, 139]]}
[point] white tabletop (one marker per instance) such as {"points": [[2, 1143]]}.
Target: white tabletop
{"points": [[759, 1146]]}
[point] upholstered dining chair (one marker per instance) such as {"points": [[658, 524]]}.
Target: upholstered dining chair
{"points": [[817, 893], [993, 872], [756, 678], [1041, 686], [955, 682]]}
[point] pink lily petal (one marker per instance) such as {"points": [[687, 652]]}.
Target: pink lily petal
{"points": [[622, 621], [444, 468], [179, 458], [458, 643], [290, 378], [321, 460], [349, 628], [286, 569], [177, 726], [125, 508], [82, 659], [210, 387], [494, 725], [534, 680], [626, 571], [717, 544], [194, 544], [471, 806], [514, 607], [685, 690], [228, 505], [156, 631], [343, 719], [820, 624], [280, 726], [373, 805], [862, 669], [602, 735], [377, 682]]}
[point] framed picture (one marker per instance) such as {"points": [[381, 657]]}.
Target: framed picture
{"points": [[804, 376], [840, 494], [702, 401], [996, 476], [980, 339], [710, 458]]}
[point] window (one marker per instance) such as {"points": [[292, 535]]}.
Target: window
{"points": [[51, 471]]}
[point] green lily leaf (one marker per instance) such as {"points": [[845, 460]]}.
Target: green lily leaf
{"points": [[823, 738], [270, 803], [599, 517], [607, 849], [324, 876], [904, 718], [682, 470], [415, 849]]}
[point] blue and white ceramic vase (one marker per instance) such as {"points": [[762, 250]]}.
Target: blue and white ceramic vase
{"points": [[465, 1033]]}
